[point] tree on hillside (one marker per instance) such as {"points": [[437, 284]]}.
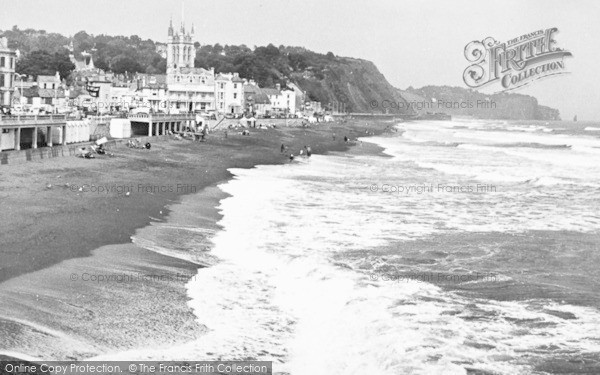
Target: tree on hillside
{"points": [[44, 63], [123, 63]]}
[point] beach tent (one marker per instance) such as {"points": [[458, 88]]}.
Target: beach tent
{"points": [[244, 122], [312, 120], [252, 121], [101, 141], [120, 128]]}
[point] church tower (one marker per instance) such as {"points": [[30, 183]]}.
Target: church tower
{"points": [[181, 51]]}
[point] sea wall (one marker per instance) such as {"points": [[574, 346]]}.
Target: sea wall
{"points": [[22, 156]]}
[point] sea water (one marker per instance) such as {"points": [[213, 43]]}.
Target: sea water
{"points": [[334, 265], [447, 247]]}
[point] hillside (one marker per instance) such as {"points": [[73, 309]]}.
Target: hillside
{"points": [[506, 106], [335, 81], [325, 77]]}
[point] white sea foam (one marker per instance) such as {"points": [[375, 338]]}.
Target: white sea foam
{"points": [[277, 293]]}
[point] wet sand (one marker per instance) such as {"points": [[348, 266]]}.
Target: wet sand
{"points": [[73, 285]]}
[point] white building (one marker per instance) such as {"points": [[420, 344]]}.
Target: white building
{"points": [[150, 92], [49, 82], [7, 72], [282, 101], [189, 89], [229, 93]]}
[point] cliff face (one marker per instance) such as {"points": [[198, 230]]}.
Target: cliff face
{"points": [[547, 113], [458, 101], [355, 83]]}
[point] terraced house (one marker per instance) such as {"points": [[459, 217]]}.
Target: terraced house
{"points": [[7, 72]]}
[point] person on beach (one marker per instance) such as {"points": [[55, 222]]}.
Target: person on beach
{"points": [[308, 151], [334, 136], [291, 157], [302, 152], [282, 148], [346, 139]]}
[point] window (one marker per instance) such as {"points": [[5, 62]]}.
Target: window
{"points": [[235, 85], [1, 80], [235, 95], [12, 62], [2, 61]]}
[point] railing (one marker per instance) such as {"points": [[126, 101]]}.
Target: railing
{"points": [[31, 118], [181, 116]]}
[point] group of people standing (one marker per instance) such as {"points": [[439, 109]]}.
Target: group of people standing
{"points": [[305, 152]]}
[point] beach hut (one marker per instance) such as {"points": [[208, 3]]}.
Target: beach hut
{"points": [[57, 135], [7, 141], [252, 121], [120, 128], [77, 131], [85, 132], [244, 122]]}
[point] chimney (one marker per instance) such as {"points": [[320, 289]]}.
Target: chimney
{"points": [[278, 87]]}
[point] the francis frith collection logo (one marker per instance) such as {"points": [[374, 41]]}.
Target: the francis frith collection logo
{"points": [[515, 63]]}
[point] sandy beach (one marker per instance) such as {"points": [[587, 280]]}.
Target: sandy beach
{"points": [[69, 221]]}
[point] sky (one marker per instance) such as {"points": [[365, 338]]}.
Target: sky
{"points": [[413, 43]]}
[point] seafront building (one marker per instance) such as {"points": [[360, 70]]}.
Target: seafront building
{"points": [[282, 101], [229, 94], [190, 89], [148, 91], [7, 72], [184, 88], [256, 99]]}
